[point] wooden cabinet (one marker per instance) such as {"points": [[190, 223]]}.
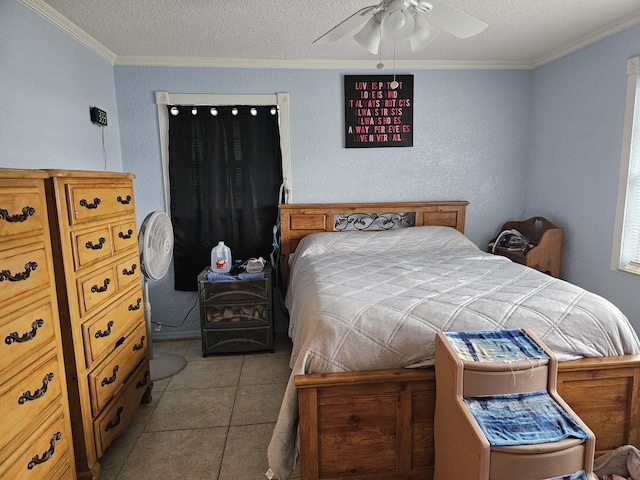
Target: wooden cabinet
{"points": [[97, 264], [35, 439], [546, 256], [236, 315]]}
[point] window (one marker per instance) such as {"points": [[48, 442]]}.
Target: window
{"points": [[223, 167], [626, 244]]}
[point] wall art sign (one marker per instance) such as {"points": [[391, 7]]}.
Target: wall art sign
{"points": [[376, 115]]}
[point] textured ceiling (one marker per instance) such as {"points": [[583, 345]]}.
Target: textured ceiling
{"points": [[520, 32]]}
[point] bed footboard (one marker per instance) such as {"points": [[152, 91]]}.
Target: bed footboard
{"points": [[604, 392], [379, 424], [367, 425]]}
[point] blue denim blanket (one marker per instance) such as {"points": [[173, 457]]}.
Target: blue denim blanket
{"points": [[576, 476], [523, 419], [495, 346], [213, 276]]}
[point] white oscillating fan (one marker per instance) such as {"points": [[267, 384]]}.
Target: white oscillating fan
{"points": [[155, 243]]}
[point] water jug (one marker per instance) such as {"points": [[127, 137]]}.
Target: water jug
{"points": [[220, 258]]}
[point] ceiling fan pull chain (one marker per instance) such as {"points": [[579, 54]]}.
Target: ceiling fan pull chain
{"points": [[394, 84]]}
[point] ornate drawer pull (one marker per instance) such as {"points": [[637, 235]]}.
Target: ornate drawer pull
{"points": [[130, 272], [116, 422], [28, 268], [140, 345], [136, 306], [124, 201], [97, 246], [85, 204], [14, 337], [112, 378], [103, 288], [107, 332], [36, 460], [18, 217], [125, 236], [144, 381], [27, 396]]}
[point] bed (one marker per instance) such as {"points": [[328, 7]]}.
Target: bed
{"points": [[361, 397]]}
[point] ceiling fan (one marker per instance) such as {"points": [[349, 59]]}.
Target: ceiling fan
{"points": [[417, 20]]}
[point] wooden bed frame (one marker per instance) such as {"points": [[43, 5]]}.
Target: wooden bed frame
{"points": [[378, 424]]}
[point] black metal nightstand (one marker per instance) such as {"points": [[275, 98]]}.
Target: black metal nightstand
{"points": [[236, 315]]}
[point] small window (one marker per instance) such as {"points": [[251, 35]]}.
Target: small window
{"points": [[626, 244]]}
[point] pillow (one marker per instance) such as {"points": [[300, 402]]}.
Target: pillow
{"points": [[428, 239]]}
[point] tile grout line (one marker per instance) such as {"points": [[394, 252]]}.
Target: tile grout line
{"points": [[226, 437]]}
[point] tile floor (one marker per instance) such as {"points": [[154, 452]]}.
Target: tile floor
{"points": [[211, 421]]}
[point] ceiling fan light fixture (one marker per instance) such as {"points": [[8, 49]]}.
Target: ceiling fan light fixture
{"points": [[369, 36], [398, 22], [423, 33], [421, 6]]}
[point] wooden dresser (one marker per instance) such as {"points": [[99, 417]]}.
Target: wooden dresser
{"points": [[97, 264], [35, 427]]}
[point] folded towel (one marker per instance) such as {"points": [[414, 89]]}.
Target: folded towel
{"points": [[623, 461], [575, 476], [495, 346], [213, 276], [251, 275], [523, 419]]}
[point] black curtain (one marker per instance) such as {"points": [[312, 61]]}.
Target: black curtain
{"points": [[225, 173]]}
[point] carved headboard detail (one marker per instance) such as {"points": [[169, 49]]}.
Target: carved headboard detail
{"points": [[299, 220]]}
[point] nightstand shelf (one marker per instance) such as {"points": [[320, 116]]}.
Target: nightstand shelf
{"points": [[236, 315]]}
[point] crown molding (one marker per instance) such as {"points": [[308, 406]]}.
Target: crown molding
{"points": [[588, 40], [313, 64], [70, 28]]}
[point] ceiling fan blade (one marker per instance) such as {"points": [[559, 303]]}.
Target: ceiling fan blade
{"points": [[423, 33], [454, 21], [347, 25]]}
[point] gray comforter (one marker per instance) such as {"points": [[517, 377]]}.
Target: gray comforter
{"points": [[374, 300]]}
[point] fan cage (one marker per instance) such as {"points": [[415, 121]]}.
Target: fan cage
{"points": [[156, 245]]}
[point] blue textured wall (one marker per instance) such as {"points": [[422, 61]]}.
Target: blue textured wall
{"points": [[572, 173], [470, 143], [48, 82]]}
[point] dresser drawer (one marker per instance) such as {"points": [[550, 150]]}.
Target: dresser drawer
{"points": [[90, 202], [105, 330], [23, 271], [25, 333], [96, 289], [124, 236], [45, 455], [28, 400], [117, 417], [22, 211], [90, 246], [128, 272], [111, 374]]}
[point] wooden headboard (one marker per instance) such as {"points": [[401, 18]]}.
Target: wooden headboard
{"points": [[299, 220]]}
